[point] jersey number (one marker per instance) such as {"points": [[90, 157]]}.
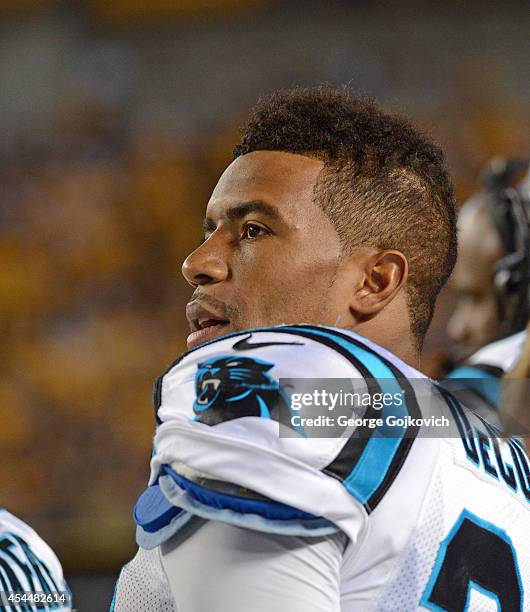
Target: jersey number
{"points": [[475, 555]]}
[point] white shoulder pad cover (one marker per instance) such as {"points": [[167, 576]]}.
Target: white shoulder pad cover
{"points": [[501, 354], [27, 563], [225, 412]]}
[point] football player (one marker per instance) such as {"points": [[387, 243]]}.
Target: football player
{"points": [[515, 407], [31, 577], [333, 213], [491, 281]]}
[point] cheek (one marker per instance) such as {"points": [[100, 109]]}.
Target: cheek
{"points": [[286, 293], [266, 266], [486, 317], [478, 316], [277, 283], [493, 313]]}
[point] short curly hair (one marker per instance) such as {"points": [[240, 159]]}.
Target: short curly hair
{"points": [[384, 184]]}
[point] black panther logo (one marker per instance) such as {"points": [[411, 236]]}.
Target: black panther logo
{"points": [[231, 387]]}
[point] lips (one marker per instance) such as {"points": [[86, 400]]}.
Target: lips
{"points": [[205, 324]]}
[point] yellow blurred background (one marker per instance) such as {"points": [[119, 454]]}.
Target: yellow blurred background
{"points": [[116, 119]]}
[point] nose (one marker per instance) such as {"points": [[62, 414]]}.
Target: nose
{"points": [[207, 264]]}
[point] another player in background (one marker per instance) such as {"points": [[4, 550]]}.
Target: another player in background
{"points": [[488, 233], [491, 281], [332, 212], [31, 577], [515, 406]]}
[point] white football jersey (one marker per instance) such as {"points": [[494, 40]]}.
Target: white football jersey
{"points": [[502, 354], [477, 381], [31, 577], [306, 430]]}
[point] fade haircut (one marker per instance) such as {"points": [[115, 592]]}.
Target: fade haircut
{"points": [[383, 184]]}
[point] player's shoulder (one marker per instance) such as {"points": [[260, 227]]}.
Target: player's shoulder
{"points": [[10, 522], [235, 391], [476, 381], [12, 525], [501, 354], [29, 564]]}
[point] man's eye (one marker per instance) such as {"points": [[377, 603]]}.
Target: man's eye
{"points": [[253, 230]]}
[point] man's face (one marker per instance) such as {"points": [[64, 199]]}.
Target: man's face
{"points": [[270, 255], [475, 320]]}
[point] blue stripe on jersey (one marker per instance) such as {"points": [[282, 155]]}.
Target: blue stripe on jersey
{"points": [[470, 372], [113, 602], [376, 459], [484, 383]]}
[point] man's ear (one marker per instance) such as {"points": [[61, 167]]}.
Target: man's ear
{"points": [[383, 274]]}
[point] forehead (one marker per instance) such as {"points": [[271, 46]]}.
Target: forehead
{"points": [[285, 180]]}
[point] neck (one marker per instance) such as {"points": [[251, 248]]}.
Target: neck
{"points": [[397, 341], [391, 330]]}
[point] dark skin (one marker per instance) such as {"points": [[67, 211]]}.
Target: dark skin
{"points": [[272, 256], [475, 320]]}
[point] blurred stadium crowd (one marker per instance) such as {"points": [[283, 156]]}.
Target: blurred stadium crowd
{"points": [[104, 176]]}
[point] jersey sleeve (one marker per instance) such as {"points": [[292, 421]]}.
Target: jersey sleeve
{"points": [[477, 381], [143, 586], [228, 446], [294, 573]]}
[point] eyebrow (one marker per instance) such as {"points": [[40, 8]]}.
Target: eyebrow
{"points": [[241, 210]]}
